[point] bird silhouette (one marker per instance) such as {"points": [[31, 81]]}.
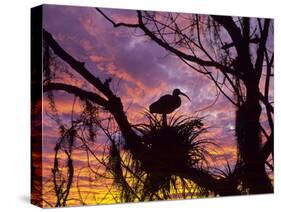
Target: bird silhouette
{"points": [[167, 104]]}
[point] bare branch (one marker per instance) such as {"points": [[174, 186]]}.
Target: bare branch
{"points": [[268, 147], [262, 47], [113, 105], [234, 32], [116, 24], [76, 65], [167, 46], [78, 92]]}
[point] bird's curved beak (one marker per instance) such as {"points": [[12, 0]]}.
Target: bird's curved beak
{"points": [[185, 96]]}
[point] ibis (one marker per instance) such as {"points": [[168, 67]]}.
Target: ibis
{"points": [[167, 104]]}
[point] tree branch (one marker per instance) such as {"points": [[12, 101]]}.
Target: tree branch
{"points": [[76, 65], [168, 47], [229, 45], [116, 24], [266, 103], [77, 92], [233, 31], [180, 53], [206, 180], [267, 148], [113, 105], [262, 48]]}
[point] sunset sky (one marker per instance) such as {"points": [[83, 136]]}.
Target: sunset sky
{"points": [[141, 70]]}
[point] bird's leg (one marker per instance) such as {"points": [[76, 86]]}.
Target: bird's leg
{"points": [[164, 119]]}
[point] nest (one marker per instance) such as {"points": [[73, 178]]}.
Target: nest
{"points": [[158, 163], [173, 146]]}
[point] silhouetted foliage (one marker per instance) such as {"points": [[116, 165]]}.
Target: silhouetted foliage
{"points": [[236, 54], [177, 144], [155, 159]]}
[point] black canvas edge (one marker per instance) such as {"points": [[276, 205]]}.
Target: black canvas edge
{"points": [[36, 102]]}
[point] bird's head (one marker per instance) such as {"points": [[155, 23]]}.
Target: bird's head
{"points": [[178, 92]]}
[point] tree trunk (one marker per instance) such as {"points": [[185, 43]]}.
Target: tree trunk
{"points": [[254, 177]]}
